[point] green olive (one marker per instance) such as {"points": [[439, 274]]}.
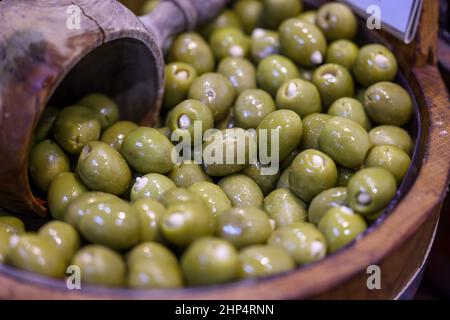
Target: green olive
{"points": [[45, 124], [337, 21], [345, 141], [185, 114], [150, 212], [74, 127], [392, 158], [100, 266], [262, 261], [393, 136], [63, 235], [64, 188], [309, 16], [115, 134], [263, 44], [149, 251], [370, 190], [12, 225], [242, 191], [343, 52], [341, 226], [215, 198], [300, 96], [388, 103], [344, 176], [263, 176], [284, 207], [5, 245], [283, 182], [37, 254], [115, 225], [276, 11], [251, 107], [240, 72], [185, 175], [105, 109], [244, 226], [311, 173], [302, 42], [179, 77], [330, 198], [226, 19], [210, 261], [152, 185], [229, 42], [352, 109], [154, 274], [102, 168], [180, 195], [303, 241], [313, 125], [148, 151], [184, 222], [250, 12]]}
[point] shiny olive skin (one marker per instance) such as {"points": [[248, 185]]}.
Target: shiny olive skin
{"points": [[240, 72], [215, 91], [77, 207], [263, 44], [333, 82], [337, 21], [244, 226], [300, 96], [37, 254], [214, 197], [185, 174], [150, 212], [344, 176], [180, 195], [352, 109], [63, 189], [12, 225], [154, 274], [102, 168], [115, 134], [147, 150], [283, 181], [313, 125], [105, 109], [262, 261], [100, 265], [302, 42], [373, 64], [184, 222], [46, 161], [191, 48], [226, 19], [5, 246], [149, 251], [343, 52], [273, 71], [289, 126], [276, 11], [74, 127], [330, 198], [242, 191], [392, 135], [388, 103], [263, 176], [227, 141], [45, 124], [250, 12], [210, 261], [341, 226], [392, 158], [302, 240], [284, 207], [115, 225], [183, 116], [229, 42], [370, 190], [251, 107], [309, 16], [311, 172], [63, 236], [345, 141], [179, 77], [152, 185]]}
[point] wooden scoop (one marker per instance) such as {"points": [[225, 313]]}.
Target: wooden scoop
{"points": [[79, 47]]}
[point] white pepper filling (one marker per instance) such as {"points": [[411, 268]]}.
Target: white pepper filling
{"points": [[236, 51], [381, 61], [258, 32], [182, 75], [317, 249], [329, 77], [316, 57], [184, 121], [292, 90], [175, 221], [140, 183], [363, 198]]}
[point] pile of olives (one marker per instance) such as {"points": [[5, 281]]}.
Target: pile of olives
{"points": [[128, 216]]}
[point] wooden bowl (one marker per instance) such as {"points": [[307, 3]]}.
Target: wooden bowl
{"points": [[398, 242]]}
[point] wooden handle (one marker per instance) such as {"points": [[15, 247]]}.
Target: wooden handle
{"points": [[174, 16]]}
